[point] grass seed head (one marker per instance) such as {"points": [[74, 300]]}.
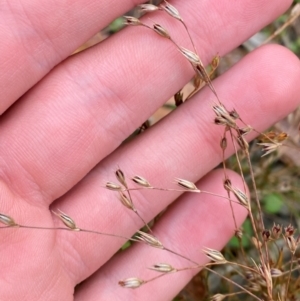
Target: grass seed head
{"points": [[291, 243], [215, 62], [187, 184], [245, 131], [7, 220], [178, 97], [275, 273], [223, 143], [141, 181], [131, 282], [234, 114], [276, 231], [162, 268], [126, 201], [241, 196], [223, 117], [67, 220], [149, 239], [113, 186], [128, 20], [121, 177], [214, 255], [289, 231], [171, 10], [217, 297], [269, 147], [242, 142], [148, 8], [238, 233], [191, 56], [161, 31], [266, 234]]}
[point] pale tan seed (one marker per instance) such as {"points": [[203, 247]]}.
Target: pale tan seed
{"points": [[223, 116], [126, 201], [121, 177], [241, 196], [67, 220], [131, 282], [214, 255], [275, 273], [128, 20], [141, 181], [190, 56], [7, 220], [149, 239], [162, 268], [244, 145], [148, 8], [113, 186], [217, 297], [171, 10], [223, 143], [187, 184], [292, 244], [161, 31]]}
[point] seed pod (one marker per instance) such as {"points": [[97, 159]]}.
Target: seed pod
{"points": [[223, 116], [147, 8], [7, 220], [214, 255], [191, 56], [141, 181], [275, 273], [113, 186], [289, 230], [67, 220], [171, 10], [127, 202], [241, 196], [215, 62], [239, 233], [161, 31], [227, 185], [121, 177], [131, 282], [276, 231], [149, 239], [217, 297], [266, 234], [292, 244], [234, 114], [163, 268], [223, 143], [242, 143], [187, 185], [128, 20], [178, 97]]}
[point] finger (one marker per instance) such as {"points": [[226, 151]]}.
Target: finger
{"points": [[184, 145], [191, 224], [37, 35], [67, 124]]}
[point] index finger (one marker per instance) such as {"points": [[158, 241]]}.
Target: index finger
{"points": [[36, 35]]}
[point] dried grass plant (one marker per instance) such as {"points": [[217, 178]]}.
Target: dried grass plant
{"points": [[269, 273]]}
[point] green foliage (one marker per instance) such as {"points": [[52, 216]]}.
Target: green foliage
{"points": [[126, 245], [272, 203]]}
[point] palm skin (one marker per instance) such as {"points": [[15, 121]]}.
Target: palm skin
{"points": [[63, 120]]}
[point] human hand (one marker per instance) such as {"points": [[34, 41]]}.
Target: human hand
{"points": [[63, 122]]}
